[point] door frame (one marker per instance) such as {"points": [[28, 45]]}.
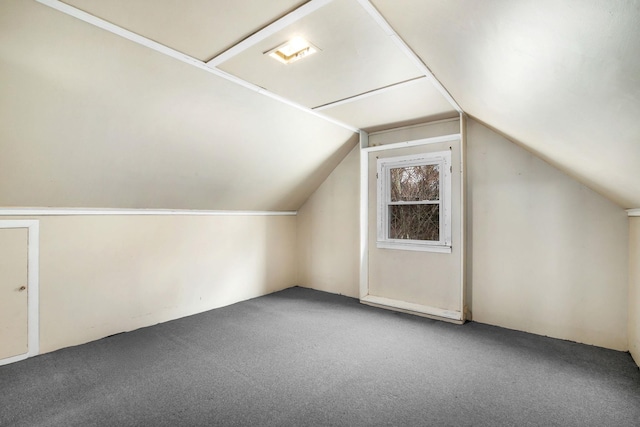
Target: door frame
{"points": [[33, 286]]}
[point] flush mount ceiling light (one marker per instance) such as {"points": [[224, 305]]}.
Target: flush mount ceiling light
{"points": [[293, 50]]}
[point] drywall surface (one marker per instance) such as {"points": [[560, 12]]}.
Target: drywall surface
{"points": [[328, 232], [101, 275], [91, 120], [412, 133], [560, 77], [329, 221], [426, 278], [634, 288], [547, 255]]}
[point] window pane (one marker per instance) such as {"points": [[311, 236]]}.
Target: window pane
{"points": [[414, 222], [415, 183]]}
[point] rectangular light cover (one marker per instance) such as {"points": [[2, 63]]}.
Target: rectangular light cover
{"points": [[293, 50]]}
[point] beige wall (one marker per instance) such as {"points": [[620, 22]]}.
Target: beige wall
{"points": [[634, 288], [328, 232], [547, 254], [411, 133], [90, 119], [329, 221], [100, 275], [426, 278]]}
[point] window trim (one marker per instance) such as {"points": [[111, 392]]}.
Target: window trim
{"points": [[384, 165]]}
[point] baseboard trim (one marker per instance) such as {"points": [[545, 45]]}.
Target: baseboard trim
{"points": [[415, 309], [13, 359]]}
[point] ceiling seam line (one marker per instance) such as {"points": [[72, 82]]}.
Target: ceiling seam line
{"points": [[369, 93], [269, 30], [166, 50], [386, 27]]}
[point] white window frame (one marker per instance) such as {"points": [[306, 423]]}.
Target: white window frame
{"points": [[384, 166]]}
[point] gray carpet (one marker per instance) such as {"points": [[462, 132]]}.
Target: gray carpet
{"points": [[301, 357]]}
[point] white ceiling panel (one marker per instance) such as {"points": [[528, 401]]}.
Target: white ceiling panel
{"points": [[403, 104], [562, 78], [356, 57], [90, 119], [199, 28]]}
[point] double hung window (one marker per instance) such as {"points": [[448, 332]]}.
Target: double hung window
{"points": [[414, 202]]}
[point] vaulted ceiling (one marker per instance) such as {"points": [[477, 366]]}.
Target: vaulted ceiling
{"points": [[559, 77], [173, 104]]}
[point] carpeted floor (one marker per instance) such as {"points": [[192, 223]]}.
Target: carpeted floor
{"points": [[302, 357]]}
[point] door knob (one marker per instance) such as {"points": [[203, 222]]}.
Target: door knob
{"points": [[22, 288]]}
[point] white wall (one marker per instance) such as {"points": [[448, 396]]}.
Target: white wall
{"points": [[100, 275], [634, 288], [547, 255], [328, 232]]}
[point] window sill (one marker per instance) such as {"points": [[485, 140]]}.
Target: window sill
{"points": [[414, 247]]}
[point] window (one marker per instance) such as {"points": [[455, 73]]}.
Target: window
{"points": [[414, 202]]}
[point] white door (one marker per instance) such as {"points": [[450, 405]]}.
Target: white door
{"points": [[13, 292]]}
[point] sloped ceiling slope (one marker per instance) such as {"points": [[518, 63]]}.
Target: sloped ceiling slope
{"points": [[562, 78], [89, 119], [199, 28]]}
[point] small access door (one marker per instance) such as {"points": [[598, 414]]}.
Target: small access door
{"points": [[13, 292], [18, 303]]}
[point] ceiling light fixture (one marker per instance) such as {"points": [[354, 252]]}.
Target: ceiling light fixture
{"points": [[293, 50]]}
